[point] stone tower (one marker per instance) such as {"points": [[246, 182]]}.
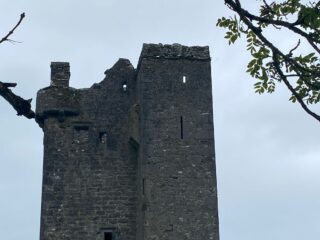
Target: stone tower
{"points": [[132, 157]]}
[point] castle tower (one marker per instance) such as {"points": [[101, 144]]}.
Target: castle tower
{"points": [[131, 158]]}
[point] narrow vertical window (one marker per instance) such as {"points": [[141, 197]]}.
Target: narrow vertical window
{"points": [[143, 185], [103, 137], [181, 127], [124, 86], [184, 79]]}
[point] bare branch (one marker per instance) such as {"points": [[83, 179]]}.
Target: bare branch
{"points": [[315, 47], [22, 106], [291, 75], [291, 51], [9, 84], [6, 37]]}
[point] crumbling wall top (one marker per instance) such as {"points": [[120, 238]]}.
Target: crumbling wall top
{"points": [[174, 51]]}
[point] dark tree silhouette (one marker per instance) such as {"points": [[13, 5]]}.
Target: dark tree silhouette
{"points": [[22, 106]]}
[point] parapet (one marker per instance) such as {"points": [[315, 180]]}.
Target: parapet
{"points": [[174, 51]]}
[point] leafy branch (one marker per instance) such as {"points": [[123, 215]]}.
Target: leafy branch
{"points": [[270, 65]]}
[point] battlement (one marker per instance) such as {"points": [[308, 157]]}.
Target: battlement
{"points": [[174, 51]]}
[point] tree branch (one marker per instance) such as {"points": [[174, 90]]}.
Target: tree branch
{"points": [[22, 106], [291, 89], [268, 6], [9, 84], [6, 37], [258, 32], [237, 7], [291, 51], [246, 18]]}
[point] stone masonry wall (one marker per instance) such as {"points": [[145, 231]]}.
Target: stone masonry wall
{"points": [[132, 157], [89, 172], [177, 147]]}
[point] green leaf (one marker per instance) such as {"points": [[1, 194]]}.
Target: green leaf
{"points": [[251, 63]]}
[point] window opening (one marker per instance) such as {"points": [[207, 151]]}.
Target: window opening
{"points": [[143, 185], [103, 137], [184, 79], [124, 86], [80, 127], [81, 134], [108, 236], [181, 127]]}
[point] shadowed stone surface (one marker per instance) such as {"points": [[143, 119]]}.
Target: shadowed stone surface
{"points": [[132, 157]]}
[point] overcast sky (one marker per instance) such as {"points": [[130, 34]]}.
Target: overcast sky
{"points": [[267, 148]]}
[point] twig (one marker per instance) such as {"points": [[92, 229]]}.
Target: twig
{"points": [[268, 6], [6, 37], [292, 75], [291, 51]]}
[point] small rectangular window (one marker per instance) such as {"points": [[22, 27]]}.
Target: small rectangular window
{"points": [[108, 236], [81, 134], [103, 137], [81, 127]]}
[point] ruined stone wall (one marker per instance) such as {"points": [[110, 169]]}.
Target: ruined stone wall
{"points": [[132, 157], [89, 172]]}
